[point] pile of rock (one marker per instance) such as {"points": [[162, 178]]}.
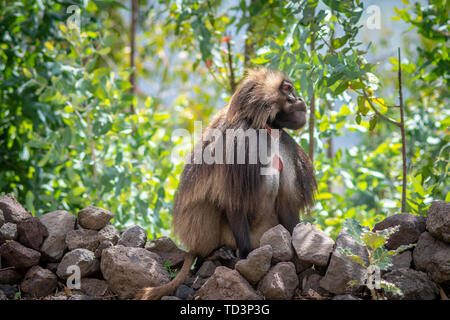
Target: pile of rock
{"points": [[41, 256]]}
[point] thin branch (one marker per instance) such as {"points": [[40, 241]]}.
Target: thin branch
{"points": [[134, 16], [398, 124], [312, 106], [230, 66], [402, 130]]}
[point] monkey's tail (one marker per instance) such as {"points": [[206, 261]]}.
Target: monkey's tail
{"points": [[157, 293]]}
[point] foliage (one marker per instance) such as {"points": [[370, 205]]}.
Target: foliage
{"points": [[379, 258]]}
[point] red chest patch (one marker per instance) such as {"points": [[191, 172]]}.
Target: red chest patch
{"points": [[277, 163]]}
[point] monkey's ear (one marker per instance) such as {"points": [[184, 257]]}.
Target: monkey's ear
{"points": [[240, 99]]}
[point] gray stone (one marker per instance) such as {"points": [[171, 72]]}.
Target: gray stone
{"points": [[94, 218], [81, 297], [342, 269], [184, 292], [58, 224], [82, 238], [195, 282], [207, 269], [128, 269], [93, 287], [102, 246], [12, 210], [52, 266], [133, 237], [280, 241], [415, 285], [411, 226], [227, 284], [83, 259], [170, 298], [312, 282], [433, 256], [345, 297], [32, 232], [312, 244], [8, 231], [38, 282], [438, 220], [280, 282], [256, 265], [2, 218], [401, 260], [8, 290], [19, 256], [10, 276], [109, 233], [167, 250], [300, 265]]}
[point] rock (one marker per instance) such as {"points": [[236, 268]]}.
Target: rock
{"points": [[82, 238], [207, 269], [19, 256], [256, 265], [312, 282], [94, 218], [345, 297], [227, 284], [12, 210], [438, 220], [342, 269], [300, 265], [8, 290], [133, 237], [81, 297], [82, 258], [170, 298], [280, 282], [411, 226], [401, 260], [8, 231], [38, 282], [128, 269], [52, 266], [433, 256], [195, 282], [93, 287], [2, 218], [167, 250], [3, 296], [102, 246], [58, 224], [280, 241], [184, 292], [109, 233], [10, 276], [312, 244], [32, 232], [415, 285]]}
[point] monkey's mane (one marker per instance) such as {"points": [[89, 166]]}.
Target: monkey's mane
{"points": [[236, 187]]}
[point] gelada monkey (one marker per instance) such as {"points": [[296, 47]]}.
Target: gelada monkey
{"points": [[231, 203]]}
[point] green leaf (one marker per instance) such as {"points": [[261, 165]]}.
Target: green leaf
{"points": [[373, 240]]}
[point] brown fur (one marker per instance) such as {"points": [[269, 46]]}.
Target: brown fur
{"points": [[219, 204]]}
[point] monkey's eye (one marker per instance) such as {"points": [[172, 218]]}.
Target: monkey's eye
{"points": [[287, 88]]}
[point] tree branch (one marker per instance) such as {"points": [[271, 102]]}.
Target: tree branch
{"points": [[230, 66], [386, 118]]}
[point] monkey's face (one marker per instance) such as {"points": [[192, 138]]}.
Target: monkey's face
{"points": [[291, 109]]}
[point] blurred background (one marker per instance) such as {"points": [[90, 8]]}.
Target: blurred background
{"points": [[91, 93]]}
